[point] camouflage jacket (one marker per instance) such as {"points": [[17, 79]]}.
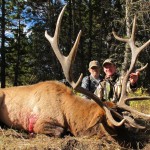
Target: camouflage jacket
{"points": [[110, 88]]}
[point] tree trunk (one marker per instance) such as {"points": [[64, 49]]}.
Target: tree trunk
{"points": [[128, 33], [90, 29], [18, 56], [3, 63]]}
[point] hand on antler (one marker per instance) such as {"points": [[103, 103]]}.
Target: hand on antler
{"points": [[134, 78]]}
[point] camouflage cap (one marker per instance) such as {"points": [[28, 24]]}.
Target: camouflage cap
{"points": [[109, 61], [94, 63]]}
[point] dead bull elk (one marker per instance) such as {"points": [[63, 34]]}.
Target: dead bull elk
{"points": [[51, 108]]}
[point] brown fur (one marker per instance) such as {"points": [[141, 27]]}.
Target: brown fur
{"points": [[51, 108]]}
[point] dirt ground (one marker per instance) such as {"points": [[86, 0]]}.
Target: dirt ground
{"points": [[13, 140]]}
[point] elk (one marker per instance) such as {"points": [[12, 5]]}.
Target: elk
{"points": [[52, 108]]}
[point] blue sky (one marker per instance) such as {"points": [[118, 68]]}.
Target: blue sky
{"points": [[29, 20]]}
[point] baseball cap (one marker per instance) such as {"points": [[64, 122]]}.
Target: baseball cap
{"points": [[109, 61], [94, 63]]}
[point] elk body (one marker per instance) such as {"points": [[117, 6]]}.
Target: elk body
{"points": [[52, 108]]}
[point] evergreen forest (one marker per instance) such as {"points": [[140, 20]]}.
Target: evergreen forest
{"points": [[26, 57]]}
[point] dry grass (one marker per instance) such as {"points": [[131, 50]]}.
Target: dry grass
{"points": [[13, 140]]}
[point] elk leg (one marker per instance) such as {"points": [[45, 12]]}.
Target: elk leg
{"points": [[52, 128]]}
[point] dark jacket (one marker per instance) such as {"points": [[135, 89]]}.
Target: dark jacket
{"points": [[90, 83]]}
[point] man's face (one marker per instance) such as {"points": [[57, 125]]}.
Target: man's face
{"points": [[109, 69], [95, 71]]}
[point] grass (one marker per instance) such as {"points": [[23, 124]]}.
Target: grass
{"points": [[13, 140], [141, 105]]}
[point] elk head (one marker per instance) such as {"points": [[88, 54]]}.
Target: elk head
{"points": [[67, 61]]}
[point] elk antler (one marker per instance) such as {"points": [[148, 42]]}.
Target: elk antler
{"points": [[142, 68], [135, 52], [66, 63]]}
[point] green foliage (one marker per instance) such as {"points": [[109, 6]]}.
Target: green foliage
{"points": [[143, 105]]}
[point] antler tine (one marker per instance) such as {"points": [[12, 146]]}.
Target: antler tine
{"points": [[133, 29], [133, 111], [146, 116], [70, 60], [66, 63], [138, 71], [54, 41], [58, 24], [144, 45], [133, 37], [119, 38], [135, 52], [142, 68]]}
